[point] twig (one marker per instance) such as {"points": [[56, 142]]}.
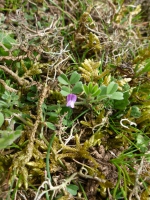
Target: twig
{"points": [[21, 160], [20, 81], [70, 135], [137, 183], [13, 58], [80, 173], [7, 87], [53, 188]]}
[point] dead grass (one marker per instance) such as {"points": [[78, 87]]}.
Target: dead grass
{"points": [[55, 37]]}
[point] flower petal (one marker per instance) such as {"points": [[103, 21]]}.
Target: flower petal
{"points": [[71, 99], [70, 104], [68, 97]]}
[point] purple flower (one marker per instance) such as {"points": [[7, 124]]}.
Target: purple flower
{"points": [[71, 99]]}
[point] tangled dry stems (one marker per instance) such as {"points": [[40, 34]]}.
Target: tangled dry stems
{"points": [[117, 41]]}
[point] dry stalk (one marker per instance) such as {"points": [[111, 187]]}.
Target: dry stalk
{"points": [[20, 81], [33, 131], [85, 175], [7, 87], [137, 184], [13, 58], [53, 188], [24, 157]]}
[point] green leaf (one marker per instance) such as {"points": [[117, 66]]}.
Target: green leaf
{"points": [[7, 40], [122, 104], [135, 112], [10, 137], [102, 97], [72, 189], [142, 143], [103, 90], [63, 79], [86, 89], [31, 96], [96, 93], [65, 91], [94, 89], [3, 104], [77, 88], [112, 87], [51, 126], [53, 107], [75, 77], [147, 67], [52, 114], [67, 110], [116, 95], [90, 86], [1, 119]]}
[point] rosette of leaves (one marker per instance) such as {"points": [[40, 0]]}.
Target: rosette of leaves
{"points": [[95, 94], [90, 71], [71, 85]]}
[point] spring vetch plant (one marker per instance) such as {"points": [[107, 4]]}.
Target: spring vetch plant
{"points": [[92, 93]]}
